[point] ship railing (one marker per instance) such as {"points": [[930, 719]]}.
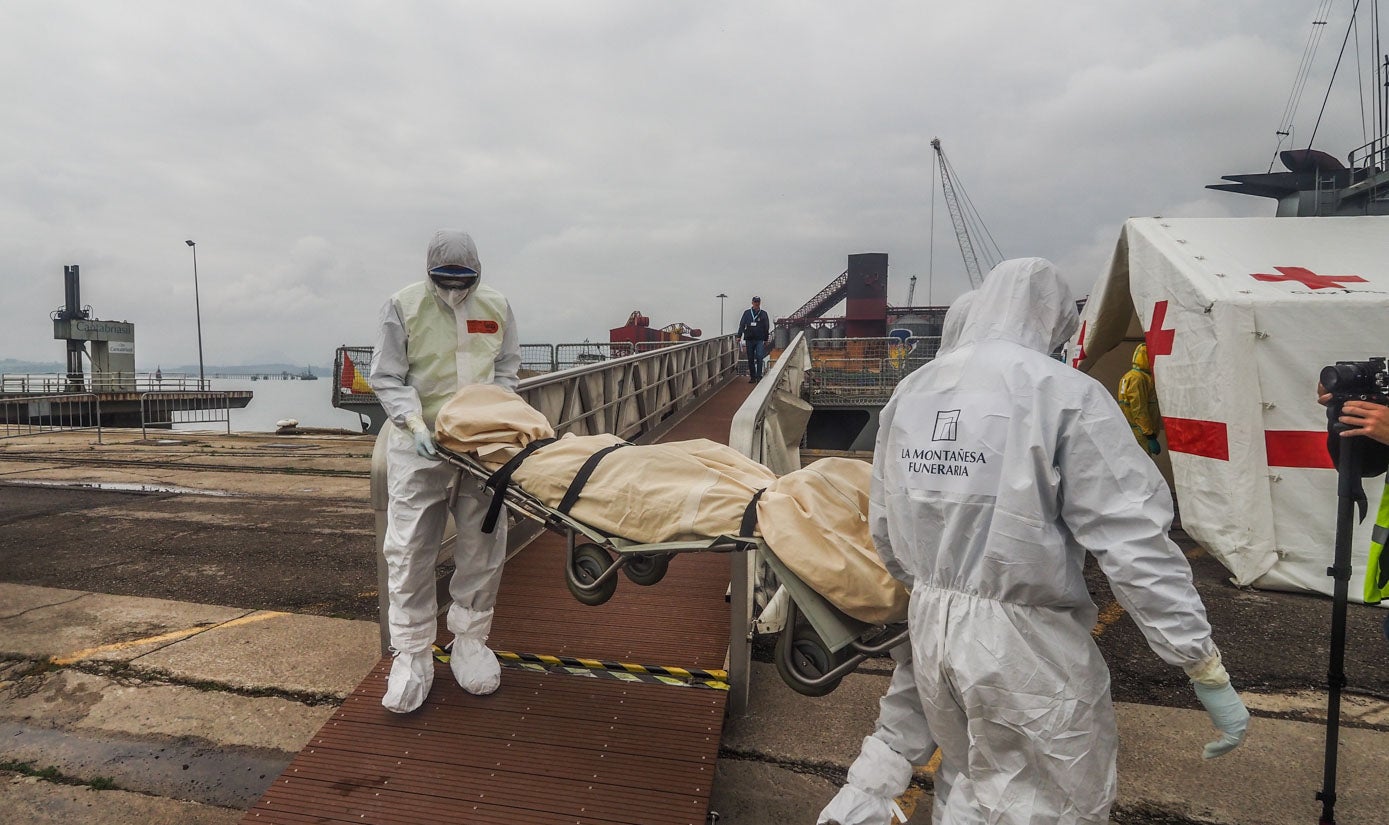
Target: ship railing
{"points": [[36, 414], [638, 397], [163, 410], [1372, 157]]}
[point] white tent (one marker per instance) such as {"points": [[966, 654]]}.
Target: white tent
{"points": [[1240, 315]]}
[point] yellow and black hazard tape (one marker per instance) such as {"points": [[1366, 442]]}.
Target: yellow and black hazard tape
{"points": [[595, 668]]}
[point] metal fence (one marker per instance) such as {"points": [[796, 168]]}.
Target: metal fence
{"points": [[165, 409], [538, 358], [52, 383], [578, 355], [863, 370], [50, 413], [351, 366]]}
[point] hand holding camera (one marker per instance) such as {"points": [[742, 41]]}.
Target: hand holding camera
{"points": [[1356, 394]]}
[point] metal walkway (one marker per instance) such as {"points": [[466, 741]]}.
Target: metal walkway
{"points": [[547, 748]]}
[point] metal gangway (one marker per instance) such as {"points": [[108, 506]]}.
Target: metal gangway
{"points": [[612, 738]]}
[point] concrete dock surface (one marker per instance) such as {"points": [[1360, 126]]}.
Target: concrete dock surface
{"points": [[177, 619]]}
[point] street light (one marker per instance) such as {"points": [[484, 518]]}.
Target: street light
{"points": [[721, 296], [197, 309]]}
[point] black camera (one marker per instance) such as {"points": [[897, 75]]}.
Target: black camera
{"points": [[1366, 380], [1357, 381]]}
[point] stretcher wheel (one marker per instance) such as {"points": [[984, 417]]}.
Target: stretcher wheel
{"points": [[804, 657], [589, 564], [647, 570]]}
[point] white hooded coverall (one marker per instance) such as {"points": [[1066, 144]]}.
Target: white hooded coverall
{"points": [[996, 469], [900, 739], [431, 342]]}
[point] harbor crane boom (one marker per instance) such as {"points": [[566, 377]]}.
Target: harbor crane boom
{"points": [[960, 219]]}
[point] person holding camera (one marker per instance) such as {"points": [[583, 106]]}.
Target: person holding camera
{"points": [[1358, 417], [1361, 417]]}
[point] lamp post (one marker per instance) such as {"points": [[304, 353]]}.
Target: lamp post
{"points": [[198, 311], [721, 296]]}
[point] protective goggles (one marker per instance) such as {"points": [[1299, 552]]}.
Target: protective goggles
{"points": [[453, 277]]}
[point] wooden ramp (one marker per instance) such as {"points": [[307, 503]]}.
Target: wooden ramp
{"points": [[548, 747]]}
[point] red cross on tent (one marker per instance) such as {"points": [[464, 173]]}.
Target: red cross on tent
{"points": [[1080, 354], [1159, 340], [1211, 439], [1307, 277]]}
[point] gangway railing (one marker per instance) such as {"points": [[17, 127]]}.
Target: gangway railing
{"points": [[165, 409], [32, 415], [638, 397], [768, 428]]}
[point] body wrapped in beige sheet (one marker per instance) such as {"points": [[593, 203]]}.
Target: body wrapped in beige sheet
{"points": [[815, 519]]}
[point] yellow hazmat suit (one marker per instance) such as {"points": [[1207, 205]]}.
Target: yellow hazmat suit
{"points": [[1138, 400]]}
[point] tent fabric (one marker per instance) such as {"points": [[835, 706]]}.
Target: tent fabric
{"points": [[815, 519], [1240, 315], [816, 522]]}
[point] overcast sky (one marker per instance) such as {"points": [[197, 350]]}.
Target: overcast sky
{"points": [[606, 156]]}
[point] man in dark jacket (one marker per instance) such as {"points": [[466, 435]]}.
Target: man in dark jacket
{"points": [[753, 329]]}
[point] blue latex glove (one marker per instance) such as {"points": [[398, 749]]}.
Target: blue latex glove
{"points": [[424, 439], [1153, 446], [1227, 712]]}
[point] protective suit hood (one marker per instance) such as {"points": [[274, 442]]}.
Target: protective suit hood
{"points": [[954, 323], [1140, 358], [452, 247], [1025, 301]]}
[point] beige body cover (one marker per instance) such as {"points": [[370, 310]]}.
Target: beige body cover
{"points": [[490, 421], [816, 521], [680, 491]]}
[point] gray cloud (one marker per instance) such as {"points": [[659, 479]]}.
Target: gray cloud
{"points": [[607, 156]]}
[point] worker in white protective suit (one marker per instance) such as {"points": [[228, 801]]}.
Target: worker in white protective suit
{"points": [[996, 469], [901, 738], [444, 332]]}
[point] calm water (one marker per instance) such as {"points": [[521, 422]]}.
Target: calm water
{"points": [[310, 402]]}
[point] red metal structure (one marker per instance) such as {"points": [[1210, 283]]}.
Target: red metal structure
{"points": [[638, 329]]}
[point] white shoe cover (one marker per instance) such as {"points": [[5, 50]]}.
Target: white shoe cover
{"points": [[412, 674], [852, 806], [474, 666]]}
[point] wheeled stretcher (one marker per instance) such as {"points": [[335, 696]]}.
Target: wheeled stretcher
{"points": [[818, 644], [633, 508], [592, 558]]}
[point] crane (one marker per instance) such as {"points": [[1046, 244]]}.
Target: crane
{"points": [[962, 217]]}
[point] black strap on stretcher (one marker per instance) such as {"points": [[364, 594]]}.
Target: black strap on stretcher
{"points": [[750, 518], [576, 486], [501, 479]]}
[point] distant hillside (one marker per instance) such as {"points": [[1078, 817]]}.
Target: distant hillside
{"points": [[15, 367], [240, 369]]}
